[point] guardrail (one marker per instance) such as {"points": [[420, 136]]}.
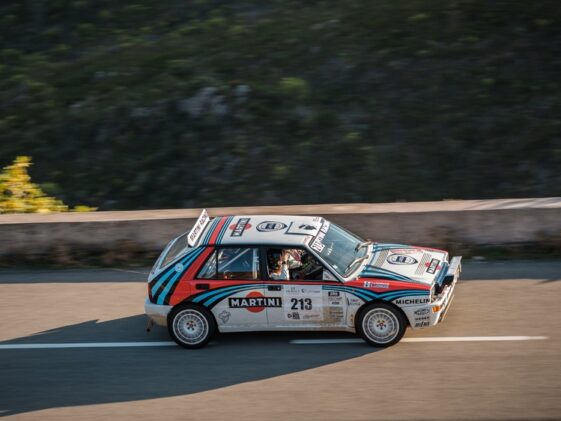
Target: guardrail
{"points": [[122, 237]]}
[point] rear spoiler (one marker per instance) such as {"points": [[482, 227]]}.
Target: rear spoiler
{"points": [[198, 228]]}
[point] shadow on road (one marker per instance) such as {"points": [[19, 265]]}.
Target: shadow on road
{"points": [[51, 378]]}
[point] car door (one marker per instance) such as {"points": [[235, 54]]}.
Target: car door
{"points": [[316, 302], [235, 297]]}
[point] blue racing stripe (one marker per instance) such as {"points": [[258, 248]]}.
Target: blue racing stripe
{"points": [[161, 281], [208, 294], [382, 275], [355, 291], [391, 297], [379, 269], [442, 273], [381, 247], [168, 272], [370, 295], [224, 229], [187, 262], [211, 229]]}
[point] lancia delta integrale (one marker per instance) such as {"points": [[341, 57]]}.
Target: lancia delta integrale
{"points": [[266, 273]]}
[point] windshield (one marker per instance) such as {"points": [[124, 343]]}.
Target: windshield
{"points": [[339, 248]]}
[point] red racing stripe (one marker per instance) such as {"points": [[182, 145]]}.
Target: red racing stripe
{"points": [[214, 235], [183, 289]]}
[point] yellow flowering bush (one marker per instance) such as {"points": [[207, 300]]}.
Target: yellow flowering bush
{"points": [[18, 194]]}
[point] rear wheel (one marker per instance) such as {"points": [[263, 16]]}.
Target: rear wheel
{"points": [[191, 326], [381, 325]]}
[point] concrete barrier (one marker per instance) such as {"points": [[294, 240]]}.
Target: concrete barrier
{"points": [[122, 237]]}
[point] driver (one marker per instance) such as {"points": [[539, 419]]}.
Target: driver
{"points": [[279, 269]]}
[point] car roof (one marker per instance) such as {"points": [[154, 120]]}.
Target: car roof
{"points": [[261, 229]]}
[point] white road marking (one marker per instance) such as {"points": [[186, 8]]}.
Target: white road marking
{"points": [[477, 339], [427, 339], [325, 341], [293, 342]]}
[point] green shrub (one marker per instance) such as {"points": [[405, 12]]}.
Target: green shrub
{"points": [[294, 87]]}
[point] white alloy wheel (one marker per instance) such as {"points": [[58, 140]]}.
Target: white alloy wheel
{"points": [[381, 325], [191, 327]]}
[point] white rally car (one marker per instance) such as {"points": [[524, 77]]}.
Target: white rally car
{"points": [[263, 273]]}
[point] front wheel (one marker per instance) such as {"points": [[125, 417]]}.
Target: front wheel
{"points": [[381, 325], [191, 326]]}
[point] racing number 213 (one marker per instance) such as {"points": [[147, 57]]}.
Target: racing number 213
{"points": [[301, 304]]}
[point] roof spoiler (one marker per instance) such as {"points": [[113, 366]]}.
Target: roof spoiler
{"points": [[198, 228]]}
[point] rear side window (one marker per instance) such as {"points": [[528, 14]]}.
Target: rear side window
{"points": [[237, 263], [178, 246]]}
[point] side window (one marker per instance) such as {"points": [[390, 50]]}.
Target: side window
{"points": [[208, 270], [295, 265], [237, 263]]}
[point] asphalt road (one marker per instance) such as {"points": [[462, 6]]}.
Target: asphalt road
{"points": [[268, 376]]}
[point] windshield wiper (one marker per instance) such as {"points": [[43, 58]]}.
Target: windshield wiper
{"points": [[361, 245], [358, 259]]}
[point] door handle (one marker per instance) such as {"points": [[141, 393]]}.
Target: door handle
{"points": [[202, 286], [274, 287]]}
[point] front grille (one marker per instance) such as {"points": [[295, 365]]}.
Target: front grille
{"points": [[438, 288]]}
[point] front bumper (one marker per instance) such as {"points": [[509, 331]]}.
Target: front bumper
{"points": [[157, 313], [434, 312]]}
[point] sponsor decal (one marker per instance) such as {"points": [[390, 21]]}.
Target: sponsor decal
{"points": [[269, 226], [353, 301], [307, 227], [301, 304], [421, 324], [401, 259], [334, 298], [224, 316], [294, 315], [412, 301], [422, 311], [179, 267], [198, 228], [239, 227], [306, 300], [370, 284], [418, 319], [318, 245], [433, 266], [333, 315], [254, 302]]}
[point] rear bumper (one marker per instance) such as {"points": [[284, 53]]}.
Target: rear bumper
{"points": [[434, 312], [157, 313]]}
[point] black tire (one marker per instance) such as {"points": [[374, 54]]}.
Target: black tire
{"points": [[389, 325], [191, 326]]}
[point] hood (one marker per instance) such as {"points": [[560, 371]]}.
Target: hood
{"points": [[399, 262]]}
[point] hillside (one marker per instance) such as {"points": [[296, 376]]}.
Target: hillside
{"points": [[151, 104]]}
